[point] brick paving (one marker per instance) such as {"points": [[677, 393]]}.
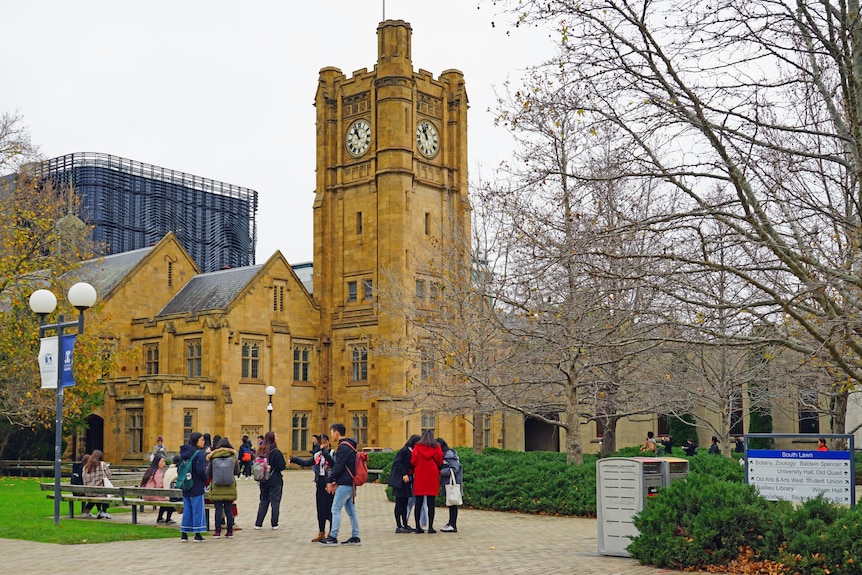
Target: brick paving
{"points": [[487, 542]]}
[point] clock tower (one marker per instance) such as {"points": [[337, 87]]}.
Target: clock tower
{"points": [[391, 194]]}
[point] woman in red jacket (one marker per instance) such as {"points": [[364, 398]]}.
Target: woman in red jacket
{"points": [[427, 459]]}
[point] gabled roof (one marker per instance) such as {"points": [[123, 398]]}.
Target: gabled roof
{"points": [[214, 290], [107, 272], [305, 273]]}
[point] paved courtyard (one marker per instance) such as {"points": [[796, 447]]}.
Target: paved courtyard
{"points": [[487, 542]]}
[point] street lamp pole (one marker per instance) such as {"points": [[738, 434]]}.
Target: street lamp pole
{"points": [[270, 391], [42, 302]]}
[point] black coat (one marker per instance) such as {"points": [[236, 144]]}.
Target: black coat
{"points": [[313, 462], [277, 464], [400, 468], [345, 459]]}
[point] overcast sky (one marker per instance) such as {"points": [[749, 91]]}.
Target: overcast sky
{"points": [[225, 89]]}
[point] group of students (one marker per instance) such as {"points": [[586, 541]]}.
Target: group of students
{"points": [[201, 461], [690, 447], [420, 469], [198, 487]]}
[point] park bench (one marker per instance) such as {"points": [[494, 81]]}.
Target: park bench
{"points": [[29, 468], [119, 496]]}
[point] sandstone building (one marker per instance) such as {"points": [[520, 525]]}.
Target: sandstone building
{"points": [[203, 347]]}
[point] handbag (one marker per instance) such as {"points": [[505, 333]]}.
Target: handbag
{"points": [[107, 482], [453, 491]]}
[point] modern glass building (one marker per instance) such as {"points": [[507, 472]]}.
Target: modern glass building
{"points": [[132, 205]]}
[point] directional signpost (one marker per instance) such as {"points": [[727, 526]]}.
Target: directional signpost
{"points": [[801, 475]]}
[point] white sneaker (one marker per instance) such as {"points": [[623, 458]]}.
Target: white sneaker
{"points": [[106, 515], [90, 515], [100, 515]]}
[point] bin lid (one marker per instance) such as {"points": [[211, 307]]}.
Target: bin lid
{"points": [[650, 465]]}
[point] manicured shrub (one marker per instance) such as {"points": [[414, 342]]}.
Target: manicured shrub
{"points": [[531, 482], [705, 521], [822, 538], [718, 467], [380, 460]]}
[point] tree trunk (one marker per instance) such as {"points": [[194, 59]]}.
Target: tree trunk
{"points": [[574, 450], [478, 432], [609, 439], [839, 417]]}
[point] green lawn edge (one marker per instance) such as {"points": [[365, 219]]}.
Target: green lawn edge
{"points": [[29, 515]]}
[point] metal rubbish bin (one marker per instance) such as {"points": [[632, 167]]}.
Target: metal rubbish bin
{"points": [[622, 487], [676, 468]]}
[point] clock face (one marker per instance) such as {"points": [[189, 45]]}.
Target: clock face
{"points": [[358, 138], [427, 139]]}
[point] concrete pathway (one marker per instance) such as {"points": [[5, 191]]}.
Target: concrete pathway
{"points": [[487, 542]]}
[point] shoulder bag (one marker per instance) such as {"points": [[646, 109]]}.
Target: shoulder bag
{"points": [[453, 491]]}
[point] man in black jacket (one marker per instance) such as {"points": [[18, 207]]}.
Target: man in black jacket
{"points": [[342, 486]]}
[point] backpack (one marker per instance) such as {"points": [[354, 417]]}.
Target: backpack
{"points": [[185, 475], [361, 475], [261, 470], [222, 471], [244, 453], [77, 474]]}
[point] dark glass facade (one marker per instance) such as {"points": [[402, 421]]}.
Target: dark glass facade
{"points": [[132, 205]]}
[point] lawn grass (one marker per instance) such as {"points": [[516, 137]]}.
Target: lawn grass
{"points": [[29, 515]]}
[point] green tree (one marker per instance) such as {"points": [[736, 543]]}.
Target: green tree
{"points": [[41, 241]]}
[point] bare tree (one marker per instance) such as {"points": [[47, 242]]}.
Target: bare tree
{"points": [[749, 115], [543, 324]]}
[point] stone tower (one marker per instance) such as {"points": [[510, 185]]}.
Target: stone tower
{"points": [[391, 191]]}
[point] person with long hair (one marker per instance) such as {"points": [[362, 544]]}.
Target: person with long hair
{"points": [[223, 496], [170, 481], [400, 480], [95, 473], [270, 490], [321, 463], [451, 468], [154, 477], [426, 459], [194, 517]]}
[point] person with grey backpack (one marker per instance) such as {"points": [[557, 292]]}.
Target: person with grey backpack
{"points": [[222, 470], [451, 478]]}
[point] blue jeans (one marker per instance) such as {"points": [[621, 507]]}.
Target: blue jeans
{"points": [[344, 498], [423, 520]]}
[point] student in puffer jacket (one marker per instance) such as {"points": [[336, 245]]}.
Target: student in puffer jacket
{"points": [[223, 496]]}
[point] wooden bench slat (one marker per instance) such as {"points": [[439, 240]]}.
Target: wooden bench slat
{"points": [[121, 496]]}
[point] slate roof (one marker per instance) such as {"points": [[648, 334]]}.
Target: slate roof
{"points": [[305, 273], [106, 272], [214, 290]]}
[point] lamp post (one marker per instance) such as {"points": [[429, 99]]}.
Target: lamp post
{"points": [[42, 302], [270, 391]]}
